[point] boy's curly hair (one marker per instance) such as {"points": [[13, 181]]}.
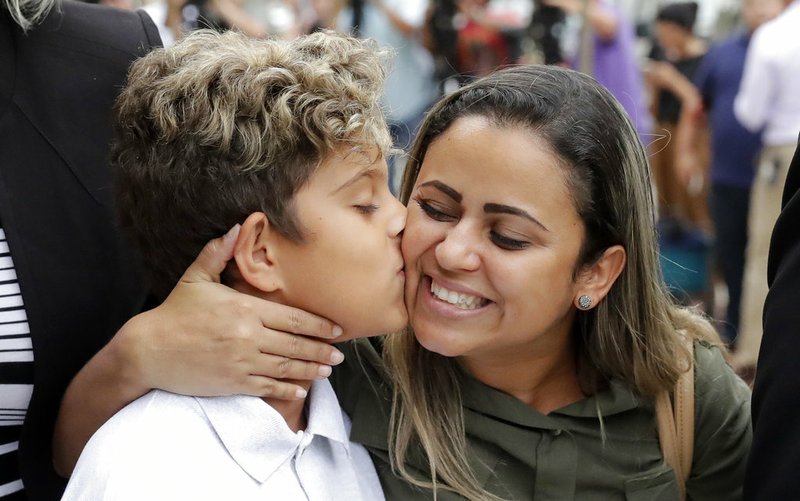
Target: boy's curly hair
{"points": [[220, 126]]}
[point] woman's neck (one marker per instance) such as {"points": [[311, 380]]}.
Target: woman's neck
{"points": [[544, 380]]}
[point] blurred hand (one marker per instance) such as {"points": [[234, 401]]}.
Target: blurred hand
{"points": [[208, 339], [687, 168], [660, 73]]}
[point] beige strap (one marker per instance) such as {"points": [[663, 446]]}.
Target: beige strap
{"points": [[684, 417], [676, 429]]}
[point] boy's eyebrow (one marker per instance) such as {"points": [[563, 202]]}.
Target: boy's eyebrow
{"points": [[491, 208], [366, 171], [447, 190]]}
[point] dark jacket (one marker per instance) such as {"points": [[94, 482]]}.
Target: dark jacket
{"points": [[79, 281], [775, 455]]}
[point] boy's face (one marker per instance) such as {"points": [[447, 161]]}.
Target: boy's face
{"points": [[348, 268]]}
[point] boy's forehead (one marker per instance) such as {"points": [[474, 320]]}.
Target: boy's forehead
{"points": [[343, 167], [359, 156]]}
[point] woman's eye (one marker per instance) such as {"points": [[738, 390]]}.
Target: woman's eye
{"points": [[507, 243], [433, 212], [367, 209]]}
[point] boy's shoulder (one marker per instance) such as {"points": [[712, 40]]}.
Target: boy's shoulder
{"points": [[185, 447], [148, 421]]}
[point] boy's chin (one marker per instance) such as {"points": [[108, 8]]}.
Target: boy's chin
{"points": [[392, 323], [397, 326]]}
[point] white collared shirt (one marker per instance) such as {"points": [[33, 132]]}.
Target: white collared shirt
{"points": [[165, 446], [769, 97]]}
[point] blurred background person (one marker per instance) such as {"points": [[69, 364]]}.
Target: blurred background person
{"points": [[607, 52], [174, 18], [768, 102], [410, 88], [313, 15], [62, 66], [544, 33], [489, 34], [678, 46], [169, 19], [440, 38], [734, 151]]}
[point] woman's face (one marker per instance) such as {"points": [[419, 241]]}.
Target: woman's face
{"points": [[490, 244]]}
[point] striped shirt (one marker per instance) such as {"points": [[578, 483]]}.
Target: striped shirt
{"points": [[16, 373]]}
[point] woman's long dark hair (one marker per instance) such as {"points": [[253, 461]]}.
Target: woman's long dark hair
{"points": [[634, 335]]}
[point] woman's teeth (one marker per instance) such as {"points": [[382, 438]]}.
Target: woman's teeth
{"points": [[463, 301]]}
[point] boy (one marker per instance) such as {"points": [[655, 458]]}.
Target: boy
{"points": [[286, 139]]}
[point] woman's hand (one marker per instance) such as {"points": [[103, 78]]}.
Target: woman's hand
{"points": [[205, 339], [208, 339]]}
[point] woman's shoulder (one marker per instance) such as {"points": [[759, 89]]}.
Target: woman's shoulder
{"points": [[362, 372], [723, 430], [714, 377]]}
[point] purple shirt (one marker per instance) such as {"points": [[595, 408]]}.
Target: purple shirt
{"points": [[616, 68]]}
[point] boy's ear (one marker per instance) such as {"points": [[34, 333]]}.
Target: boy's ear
{"points": [[255, 253], [596, 279]]}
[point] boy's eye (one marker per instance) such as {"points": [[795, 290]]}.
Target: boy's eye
{"points": [[433, 212], [507, 243], [367, 209]]}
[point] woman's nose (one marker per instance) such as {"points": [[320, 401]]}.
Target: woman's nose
{"points": [[458, 250]]}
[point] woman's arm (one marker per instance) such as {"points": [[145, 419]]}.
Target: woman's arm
{"points": [[690, 161], [205, 339]]}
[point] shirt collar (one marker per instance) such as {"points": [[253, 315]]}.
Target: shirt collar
{"points": [[258, 438], [325, 416]]}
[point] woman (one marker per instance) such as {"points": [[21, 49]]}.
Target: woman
{"points": [[542, 329], [674, 60], [541, 325]]}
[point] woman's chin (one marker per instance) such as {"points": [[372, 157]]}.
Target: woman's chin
{"points": [[442, 345]]}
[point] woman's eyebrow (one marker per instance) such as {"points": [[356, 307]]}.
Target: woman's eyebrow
{"points": [[447, 190], [491, 208]]}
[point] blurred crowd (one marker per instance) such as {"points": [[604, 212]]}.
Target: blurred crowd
{"points": [[677, 82]]}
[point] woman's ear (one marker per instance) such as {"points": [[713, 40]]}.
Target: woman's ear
{"points": [[255, 253], [596, 279]]}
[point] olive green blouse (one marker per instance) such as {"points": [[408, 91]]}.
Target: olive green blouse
{"points": [[520, 454]]}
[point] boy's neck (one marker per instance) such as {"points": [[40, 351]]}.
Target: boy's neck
{"points": [[293, 411]]}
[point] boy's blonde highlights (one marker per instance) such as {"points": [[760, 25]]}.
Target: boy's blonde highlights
{"points": [[222, 125]]}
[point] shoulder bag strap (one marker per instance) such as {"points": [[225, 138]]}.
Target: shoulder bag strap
{"points": [[676, 428]]}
